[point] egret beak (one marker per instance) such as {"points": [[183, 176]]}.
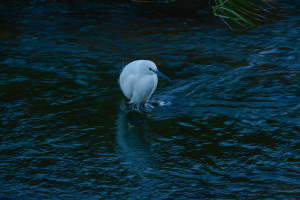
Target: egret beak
{"points": [[161, 74]]}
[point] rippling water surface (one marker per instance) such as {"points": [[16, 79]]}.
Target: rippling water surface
{"points": [[226, 128]]}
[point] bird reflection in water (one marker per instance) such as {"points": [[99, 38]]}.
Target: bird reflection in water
{"points": [[136, 143]]}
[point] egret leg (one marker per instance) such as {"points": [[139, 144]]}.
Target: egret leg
{"points": [[130, 111]]}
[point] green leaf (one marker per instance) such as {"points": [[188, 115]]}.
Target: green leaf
{"points": [[237, 10], [229, 16]]}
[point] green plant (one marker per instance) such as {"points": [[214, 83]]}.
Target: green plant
{"points": [[241, 12]]}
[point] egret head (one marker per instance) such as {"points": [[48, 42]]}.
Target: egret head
{"points": [[149, 68]]}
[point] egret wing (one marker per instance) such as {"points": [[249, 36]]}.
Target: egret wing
{"points": [[127, 85], [143, 89]]}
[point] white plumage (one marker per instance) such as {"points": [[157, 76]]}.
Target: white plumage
{"points": [[138, 81]]}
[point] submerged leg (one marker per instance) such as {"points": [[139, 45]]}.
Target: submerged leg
{"points": [[147, 106], [130, 111]]}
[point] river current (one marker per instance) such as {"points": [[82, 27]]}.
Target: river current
{"points": [[227, 127]]}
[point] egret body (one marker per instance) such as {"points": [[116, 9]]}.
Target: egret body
{"points": [[138, 81]]}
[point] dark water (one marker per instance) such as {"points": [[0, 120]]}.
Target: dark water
{"points": [[227, 127]]}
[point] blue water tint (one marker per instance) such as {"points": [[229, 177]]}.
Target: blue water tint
{"points": [[226, 128]]}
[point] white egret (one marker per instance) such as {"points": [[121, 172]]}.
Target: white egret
{"points": [[138, 81]]}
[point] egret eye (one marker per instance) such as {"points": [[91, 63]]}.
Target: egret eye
{"points": [[150, 69]]}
